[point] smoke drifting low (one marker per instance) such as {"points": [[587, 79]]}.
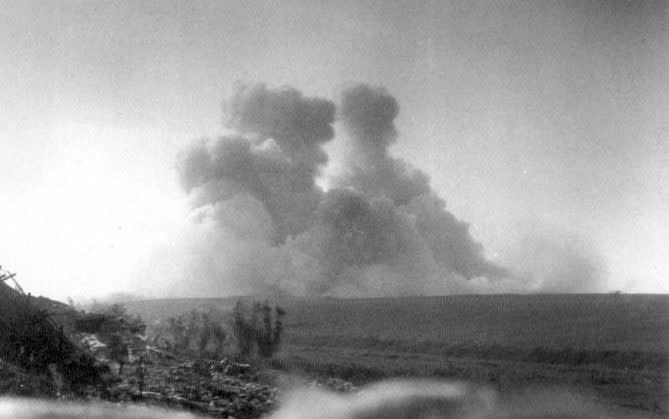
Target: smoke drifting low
{"points": [[260, 222]]}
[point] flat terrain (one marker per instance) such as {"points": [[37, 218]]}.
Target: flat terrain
{"points": [[613, 347], [615, 322]]}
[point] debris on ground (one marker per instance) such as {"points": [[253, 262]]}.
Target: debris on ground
{"points": [[51, 350], [200, 385]]}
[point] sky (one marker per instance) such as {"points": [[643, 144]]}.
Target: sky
{"points": [[531, 119]]}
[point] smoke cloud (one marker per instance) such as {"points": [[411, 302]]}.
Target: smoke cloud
{"points": [[274, 157], [260, 222], [368, 114], [558, 262]]}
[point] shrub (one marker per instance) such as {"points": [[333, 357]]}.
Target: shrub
{"points": [[196, 330], [258, 329]]}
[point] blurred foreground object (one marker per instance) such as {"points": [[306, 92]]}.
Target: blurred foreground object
{"points": [[428, 399], [408, 399], [44, 409], [421, 399]]}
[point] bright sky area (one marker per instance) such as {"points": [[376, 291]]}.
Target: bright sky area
{"points": [[526, 115]]}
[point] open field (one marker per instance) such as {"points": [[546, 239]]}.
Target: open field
{"points": [[602, 322], [613, 347]]}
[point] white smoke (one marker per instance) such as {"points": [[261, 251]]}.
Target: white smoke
{"points": [[261, 224]]}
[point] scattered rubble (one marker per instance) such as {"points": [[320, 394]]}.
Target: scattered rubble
{"points": [[200, 385], [93, 344], [51, 350]]}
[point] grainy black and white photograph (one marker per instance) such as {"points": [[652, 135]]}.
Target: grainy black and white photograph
{"points": [[347, 209]]}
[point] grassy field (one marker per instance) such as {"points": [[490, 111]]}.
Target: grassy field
{"points": [[614, 347], [602, 322]]}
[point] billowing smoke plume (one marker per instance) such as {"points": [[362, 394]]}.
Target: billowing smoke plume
{"points": [[260, 222], [368, 114], [425, 399], [274, 158]]}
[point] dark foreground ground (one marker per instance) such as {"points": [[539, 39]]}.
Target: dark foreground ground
{"points": [[178, 383], [611, 349]]}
